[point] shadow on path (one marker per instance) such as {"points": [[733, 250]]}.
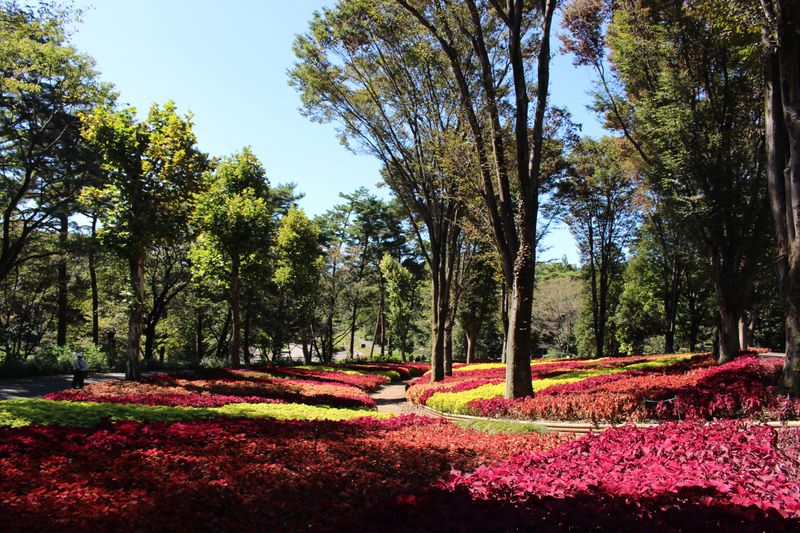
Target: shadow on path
{"points": [[36, 386]]}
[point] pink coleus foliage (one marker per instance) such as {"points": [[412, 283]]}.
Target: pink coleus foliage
{"points": [[673, 465]]}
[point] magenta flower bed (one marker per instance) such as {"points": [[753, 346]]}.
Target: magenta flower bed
{"points": [[674, 466]]}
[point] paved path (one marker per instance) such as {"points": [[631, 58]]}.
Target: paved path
{"points": [[36, 386], [392, 399]]}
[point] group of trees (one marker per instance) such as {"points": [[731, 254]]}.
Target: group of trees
{"points": [[114, 223], [683, 214], [670, 215]]}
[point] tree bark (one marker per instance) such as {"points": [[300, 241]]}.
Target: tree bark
{"points": [[63, 281], [728, 333], [93, 284], [236, 344], [307, 353], [246, 341], [199, 341], [471, 340], [136, 268], [518, 363], [504, 303], [149, 339], [448, 349], [671, 306], [353, 320], [782, 128], [222, 340]]}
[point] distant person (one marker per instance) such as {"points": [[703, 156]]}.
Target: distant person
{"points": [[79, 371]]}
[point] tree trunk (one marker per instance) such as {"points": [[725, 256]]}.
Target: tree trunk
{"points": [[246, 341], [671, 307], [518, 363], [63, 280], [375, 336], [236, 344], [471, 340], [93, 284], [353, 319], [199, 342], [440, 312], [504, 303], [306, 349], [136, 267], [782, 128], [448, 349], [728, 333], [149, 339], [382, 315], [222, 340]]}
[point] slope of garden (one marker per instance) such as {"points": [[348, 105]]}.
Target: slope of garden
{"points": [[635, 389], [291, 448]]}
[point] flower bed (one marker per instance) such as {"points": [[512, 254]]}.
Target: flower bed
{"points": [[478, 390], [741, 388], [291, 390], [365, 382], [628, 477], [18, 413], [233, 474]]}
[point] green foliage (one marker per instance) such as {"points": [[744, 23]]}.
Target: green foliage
{"points": [[501, 426], [232, 215], [402, 300], [298, 251], [152, 169]]}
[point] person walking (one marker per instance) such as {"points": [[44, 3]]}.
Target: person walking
{"points": [[80, 369]]}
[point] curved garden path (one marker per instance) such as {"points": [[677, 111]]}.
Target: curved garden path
{"points": [[391, 398]]}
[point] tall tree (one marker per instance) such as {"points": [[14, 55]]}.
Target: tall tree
{"points": [[43, 160], [686, 92], [782, 126], [496, 37], [297, 274], [402, 296], [152, 169], [599, 197], [234, 221], [360, 66]]}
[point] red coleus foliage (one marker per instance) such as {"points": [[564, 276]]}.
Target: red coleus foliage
{"points": [[673, 466], [164, 389], [743, 387], [291, 390], [171, 399], [365, 382], [406, 370], [250, 475]]}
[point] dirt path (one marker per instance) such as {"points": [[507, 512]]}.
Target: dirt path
{"points": [[392, 399], [34, 387]]}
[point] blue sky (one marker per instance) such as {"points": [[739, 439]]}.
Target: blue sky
{"points": [[227, 62]]}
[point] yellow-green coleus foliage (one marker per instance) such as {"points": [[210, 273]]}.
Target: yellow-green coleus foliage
{"points": [[456, 402], [17, 413]]}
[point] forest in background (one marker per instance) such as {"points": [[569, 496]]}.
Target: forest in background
{"points": [[121, 239]]}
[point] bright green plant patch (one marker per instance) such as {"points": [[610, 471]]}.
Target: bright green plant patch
{"points": [[659, 363], [391, 374], [17, 413], [501, 426]]}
